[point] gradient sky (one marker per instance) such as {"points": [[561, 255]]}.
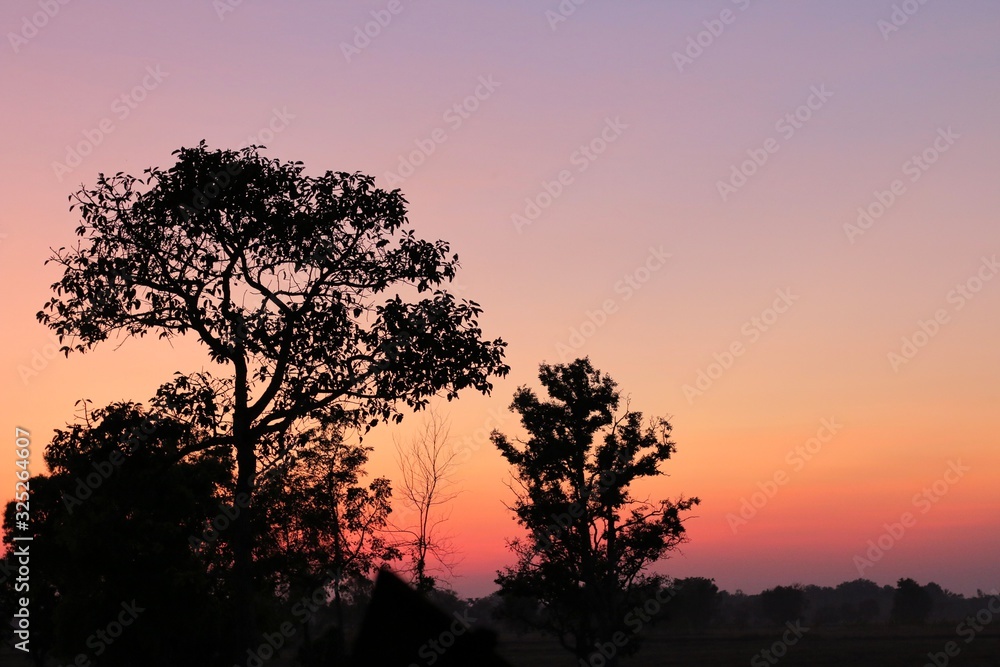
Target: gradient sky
{"points": [[231, 73]]}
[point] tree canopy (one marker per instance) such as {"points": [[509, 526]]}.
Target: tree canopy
{"points": [[911, 602], [313, 296], [279, 274], [590, 540], [111, 523]]}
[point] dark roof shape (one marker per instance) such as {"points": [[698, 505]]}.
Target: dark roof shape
{"points": [[403, 628]]}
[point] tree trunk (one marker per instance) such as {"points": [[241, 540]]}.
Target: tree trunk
{"points": [[246, 470], [341, 630], [245, 617], [421, 579], [338, 571]]}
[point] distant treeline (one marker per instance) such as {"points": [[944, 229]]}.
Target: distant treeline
{"points": [[696, 603]]}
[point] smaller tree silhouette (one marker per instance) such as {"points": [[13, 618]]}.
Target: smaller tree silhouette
{"points": [[911, 603], [783, 603], [694, 603], [589, 541], [426, 464], [326, 523]]}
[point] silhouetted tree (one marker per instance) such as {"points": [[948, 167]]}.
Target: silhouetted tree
{"points": [[783, 603], [859, 600], [859, 589], [945, 604], [521, 613], [589, 540], [694, 602], [426, 464], [911, 603], [326, 522], [112, 523], [735, 610], [284, 278]]}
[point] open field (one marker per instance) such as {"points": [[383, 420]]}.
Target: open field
{"points": [[820, 647]]}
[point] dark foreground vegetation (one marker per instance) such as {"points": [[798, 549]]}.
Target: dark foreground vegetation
{"points": [[700, 625], [877, 646]]}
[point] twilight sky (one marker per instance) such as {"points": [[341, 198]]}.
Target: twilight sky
{"points": [[775, 222]]}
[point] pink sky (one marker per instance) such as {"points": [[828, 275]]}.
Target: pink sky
{"points": [[128, 83]]}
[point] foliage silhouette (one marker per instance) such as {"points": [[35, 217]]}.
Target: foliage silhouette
{"points": [[285, 279], [783, 603], [322, 518], [111, 524], [694, 603], [590, 541], [911, 603]]}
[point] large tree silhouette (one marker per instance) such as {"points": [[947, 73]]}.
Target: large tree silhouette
{"points": [[111, 522], [293, 283], [590, 541]]}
